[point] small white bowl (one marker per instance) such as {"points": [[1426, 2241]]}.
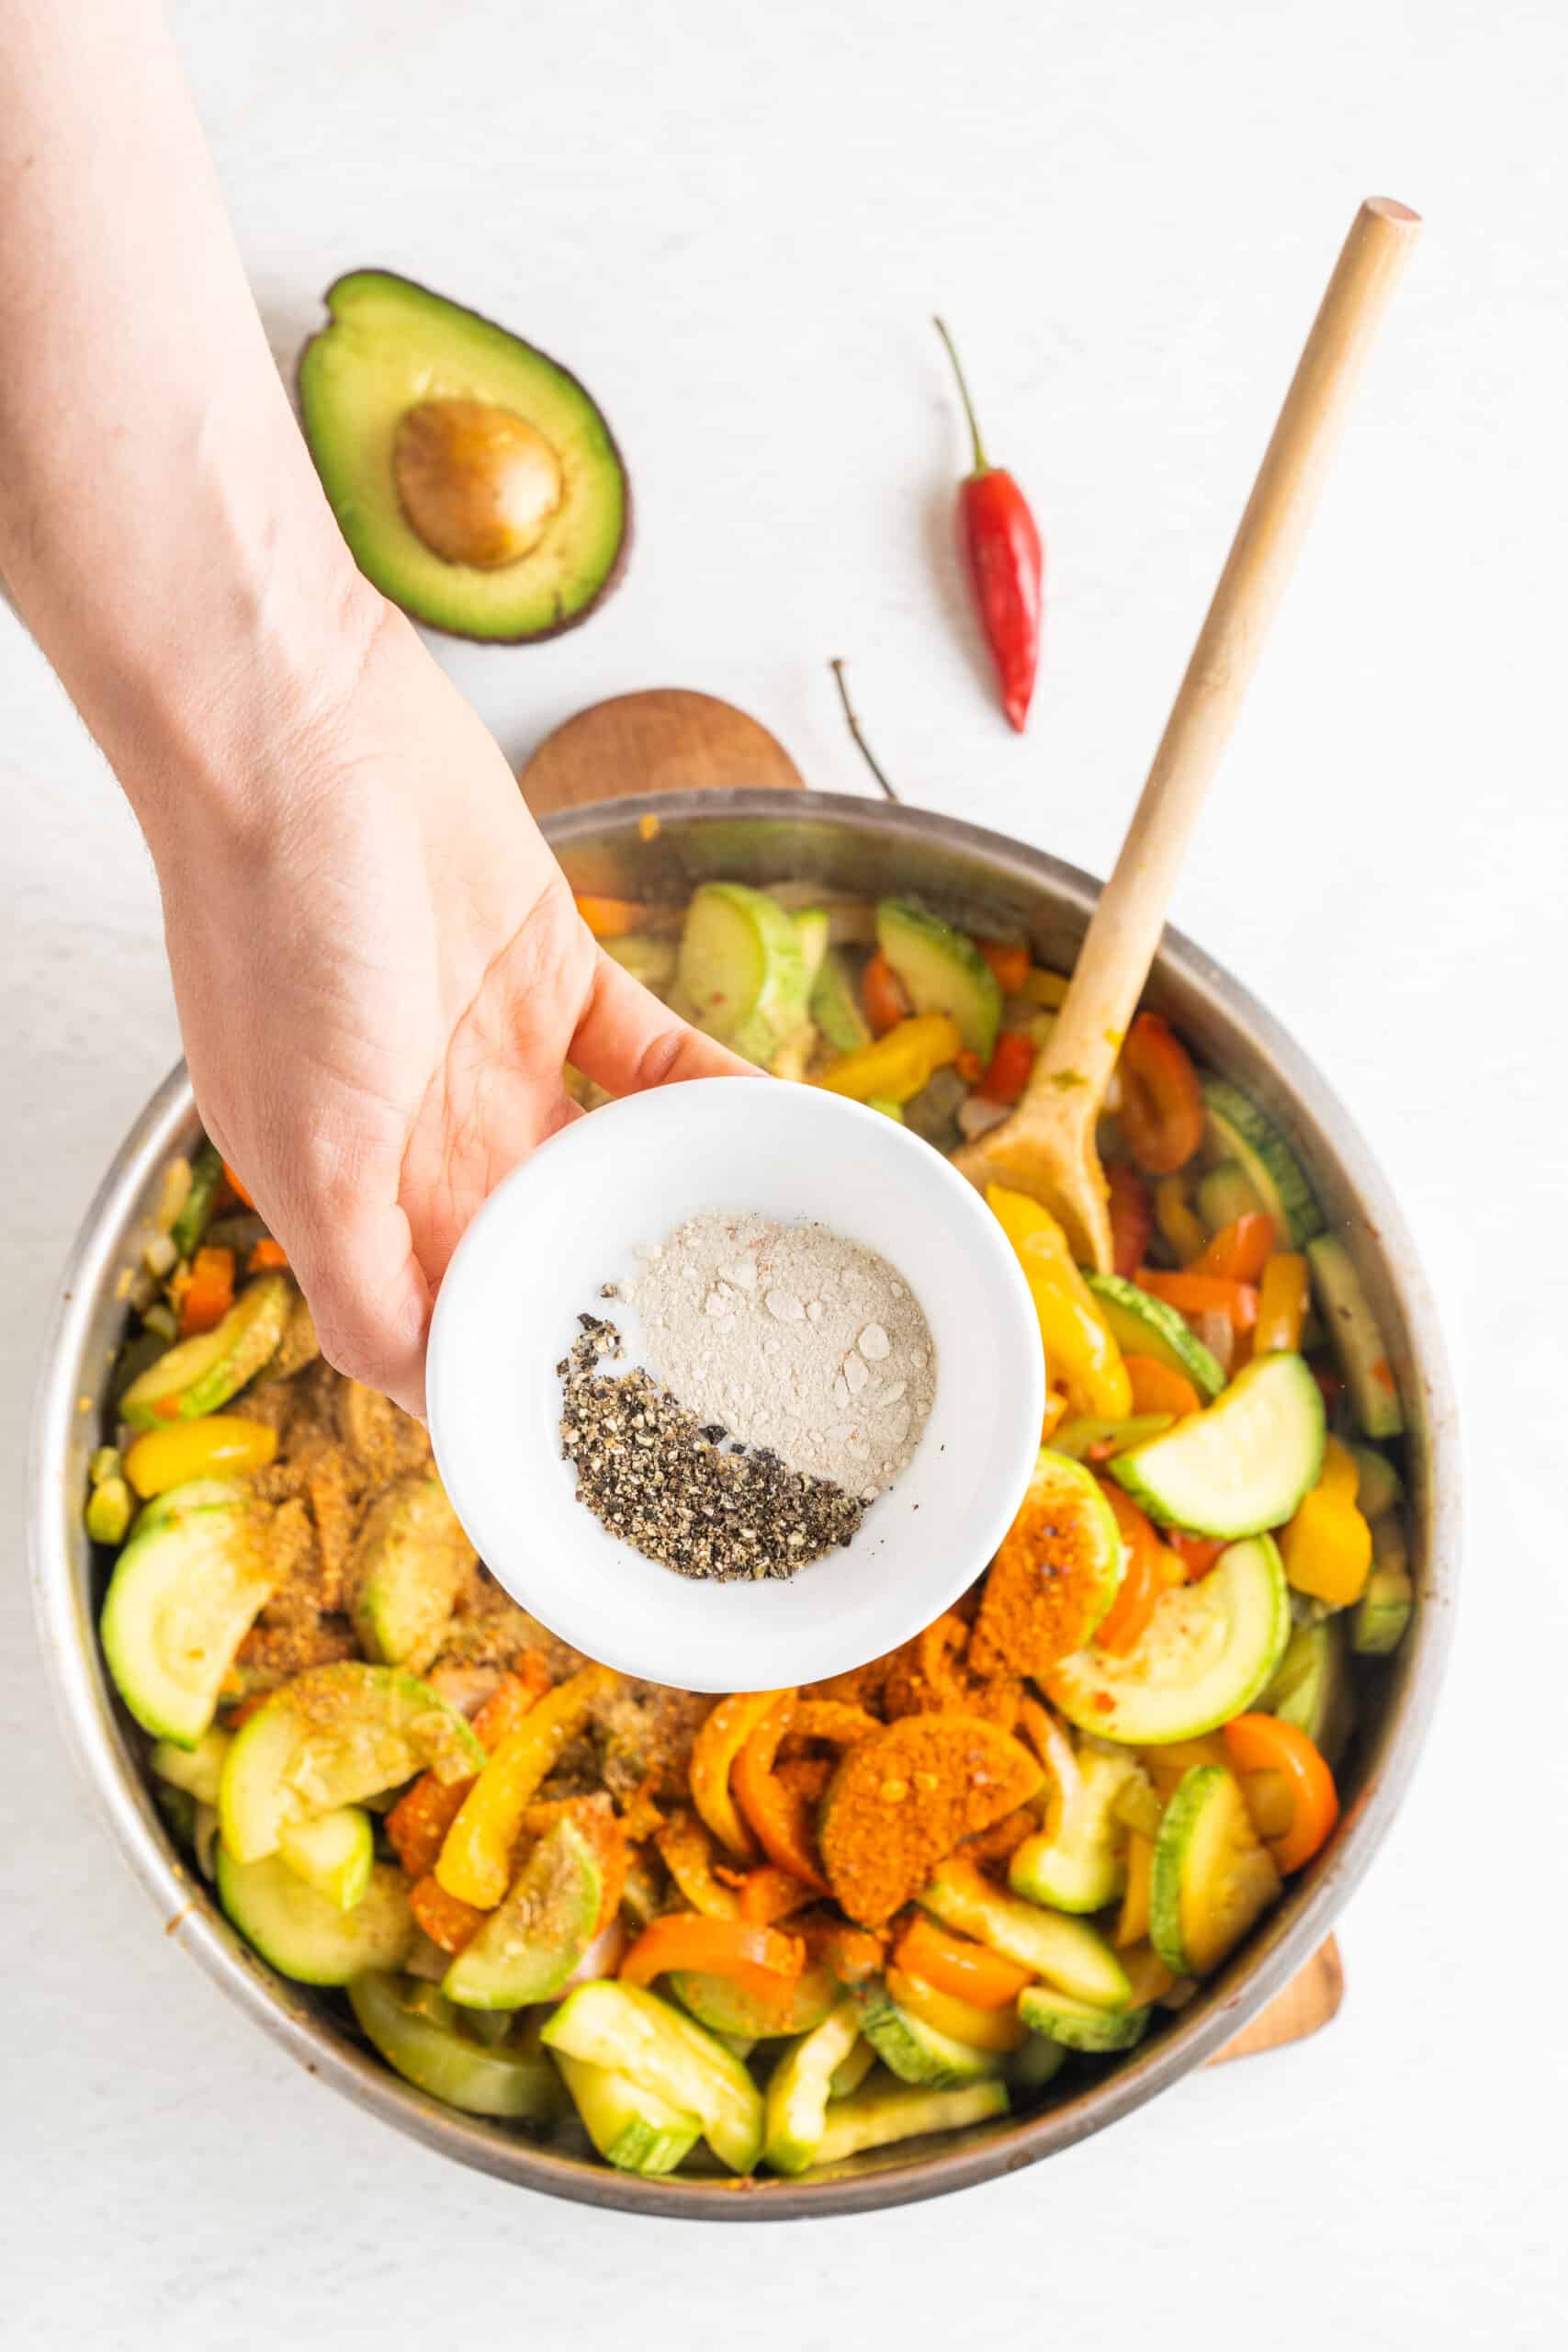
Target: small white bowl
{"points": [[568, 1220]]}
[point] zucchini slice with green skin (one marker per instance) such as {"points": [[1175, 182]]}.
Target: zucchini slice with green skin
{"points": [[198, 1770], [205, 1174], [727, 2008], [1033, 2064], [1382, 1614], [741, 970], [1208, 1651], [886, 2110], [631, 2127], [337, 1734], [306, 1936], [520, 2085], [183, 1596], [915, 2051], [813, 928], [662, 2050], [1379, 1487], [410, 1561], [646, 956], [1239, 1133], [1080, 1862], [1310, 1688], [530, 1946], [196, 1494], [1214, 1877], [942, 971], [333, 1852], [795, 2104], [1145, 1325], [1225, 1193], [1075, 2025], [1241, 1466], [1067, 1952], [196, 1376], [1357, 1338], [836, 1005]]}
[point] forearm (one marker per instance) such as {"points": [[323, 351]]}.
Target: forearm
{"points": [[160, 527]]}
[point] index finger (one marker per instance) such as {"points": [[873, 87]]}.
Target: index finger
{"points": [[627, 1040]]}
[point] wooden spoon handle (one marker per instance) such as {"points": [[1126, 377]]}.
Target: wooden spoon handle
{"points": [[1124, 933]]}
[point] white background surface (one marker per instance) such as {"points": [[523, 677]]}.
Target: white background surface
{"points": [[735, 221]]}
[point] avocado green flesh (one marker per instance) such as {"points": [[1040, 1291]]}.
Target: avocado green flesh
{"points": [[392, 343]]}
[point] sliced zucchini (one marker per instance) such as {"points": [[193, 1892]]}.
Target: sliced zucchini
{"points": [[1077, 2025], [1056, 1573], [108, 1512], [1388, 1598], [724, 2006], [1311, 1687], [199, 1769], [795, 2105], [631, 2127], [1379, 1487], [1079, 1863], [433, 2054], [331, 1852], [813, 928], [189, 1227], [196, 1494], [1241, 1466], [741, 969], [1239, 1133], [337, 1734], [182, 1598], [1067, 1952], [942, 971], [836, 1005], [660, 2050], [1209, 1649], [915, 2051], [1214, 1877], [530, 1946], [1357, 1340], [1143, 1326], [1225, 1193], [1036, 2062], [852, 2072], [410, 1561], [199, 1376], [645, 956], [885, 2111], [305, 1936]]}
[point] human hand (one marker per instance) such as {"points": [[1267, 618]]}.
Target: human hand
{"points": [[380, 972]]}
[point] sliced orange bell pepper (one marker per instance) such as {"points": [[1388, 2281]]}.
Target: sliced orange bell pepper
{"points": [[781, 1816], [1240, 1251], [1006, 1073], [720, 1738], [1143, 1579], [882, 994], [852, 1954], [961, 2020], [969, 1067], [769, 1895], [1162, 1113], [611, 918], [1265, 1743], [476, 1860], [685, 1847], [1133, 1922], [445, 1920], [236, 1187], [1197, 1554], [1010, 963], [1282, 1304], [209, 1292], [1193, 1294], [969, 1972], [1132, 1216], [1159, 1388], [268, 1257], [1180, 1225], [759, 1957]]}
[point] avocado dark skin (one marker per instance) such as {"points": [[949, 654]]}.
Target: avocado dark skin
{"points": [[394, 348]]}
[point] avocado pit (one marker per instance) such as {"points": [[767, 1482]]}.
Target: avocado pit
{"points": [[478, 484]]}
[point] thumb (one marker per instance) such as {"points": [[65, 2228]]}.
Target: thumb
{"points": [[367, 1295], [627, 1040]]}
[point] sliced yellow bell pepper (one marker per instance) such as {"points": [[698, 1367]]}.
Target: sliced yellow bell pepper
{"points": [[977, 2029], [1282, 1304], [1327, 1548], [1340, 1475], [224, 1445], [896, 1067], [1080, 1354], [475, 1861], [1178, 1220], [1133, 1923], [1045, 987]]}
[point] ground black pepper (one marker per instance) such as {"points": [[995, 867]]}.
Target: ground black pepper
{"points": [[671, 1486]]}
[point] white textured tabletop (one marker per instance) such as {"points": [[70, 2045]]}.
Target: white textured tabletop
{"points": [[735, 221]]}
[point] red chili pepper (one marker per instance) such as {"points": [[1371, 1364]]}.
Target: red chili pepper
{"points": [[1001, 550]]}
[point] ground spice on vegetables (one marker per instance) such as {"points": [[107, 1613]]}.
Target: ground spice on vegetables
{"points": [[673, 1486]]}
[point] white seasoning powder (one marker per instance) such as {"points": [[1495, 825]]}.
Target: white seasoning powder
{"points": [[791, 1338]]}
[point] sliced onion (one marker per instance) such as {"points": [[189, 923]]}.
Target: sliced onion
{"points": [[978, 1116], [1218, 1334]]}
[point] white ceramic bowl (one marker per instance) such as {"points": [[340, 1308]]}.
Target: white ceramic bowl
{"points": [[569, 1218]]}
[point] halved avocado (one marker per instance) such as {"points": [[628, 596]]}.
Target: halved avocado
{"points": [[474, 478]]}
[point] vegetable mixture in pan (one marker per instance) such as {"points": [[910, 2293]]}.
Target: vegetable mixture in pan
{"points": [[793, 1925]]}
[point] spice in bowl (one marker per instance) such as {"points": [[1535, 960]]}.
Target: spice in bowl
{"points": [[789, 1371]]}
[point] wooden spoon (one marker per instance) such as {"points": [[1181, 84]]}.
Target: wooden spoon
{"points": [[1046, 1146]]}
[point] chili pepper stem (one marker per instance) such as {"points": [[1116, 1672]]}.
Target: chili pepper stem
{"points": [[982, 463], [854, 726]]}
